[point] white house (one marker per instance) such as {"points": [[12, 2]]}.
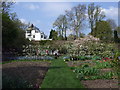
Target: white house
{"points": [[33, 33]]}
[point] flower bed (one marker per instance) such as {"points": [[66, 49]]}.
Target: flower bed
{"points": [[92, 70]]}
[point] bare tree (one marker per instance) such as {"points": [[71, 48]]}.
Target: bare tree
{"points": [[112, 23], [61, 25], [5, 6], [76, 16], [95, 14]]}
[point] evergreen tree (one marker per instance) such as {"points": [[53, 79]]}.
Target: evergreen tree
{"points": [[116, 39], [53, 35], [103, 31]]}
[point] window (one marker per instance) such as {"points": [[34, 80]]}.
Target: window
{"points": [[36, 31], [28, 31], [33, 36], [29, 35], [41, 36]]}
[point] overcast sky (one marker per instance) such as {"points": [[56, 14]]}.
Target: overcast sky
{"points": [[43, 14]]}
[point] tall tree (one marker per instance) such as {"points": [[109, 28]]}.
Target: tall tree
{"points": [[6, 6], [95, 14], [61, 25], [112, 23], [103, 31], [12, 32], [76, 17]]}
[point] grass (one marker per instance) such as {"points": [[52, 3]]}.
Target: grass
{"points": [[60, 76]]}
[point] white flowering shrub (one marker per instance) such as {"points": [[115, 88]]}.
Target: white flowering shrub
{"points": [[90, 47]]}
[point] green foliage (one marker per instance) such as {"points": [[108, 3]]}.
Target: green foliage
{"points": [[45, 42], [53, 35], [91, 49], [107, 75], [116, 59], [116, 39], [96, 58], [71, 37], [103, 31], [101, 65], [60, 37], [85, 65], [63, 50], [12, 31], [118, 31], [94, 15], [84, 71], [116, 63]]}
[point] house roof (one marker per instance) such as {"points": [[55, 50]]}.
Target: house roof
{"points": [[32, 27]]}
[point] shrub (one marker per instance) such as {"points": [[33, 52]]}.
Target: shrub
{"points": [[90, 48], [116, 63]]}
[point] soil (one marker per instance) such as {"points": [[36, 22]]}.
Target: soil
{"points": [[99, 83], [78, 63], [33, 72], [106, 70]]}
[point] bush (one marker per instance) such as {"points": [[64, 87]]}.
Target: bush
{"points": [[44, 42], [116, 62], [91, 48], [63, 50]]}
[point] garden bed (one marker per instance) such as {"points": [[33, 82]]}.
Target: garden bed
{"points": [[100, 83], [93, 74], [24, 74]]}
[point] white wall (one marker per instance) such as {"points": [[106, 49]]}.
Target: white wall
{"points": [[37, 36]]}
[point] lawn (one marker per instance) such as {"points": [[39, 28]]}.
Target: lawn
{"points": [[60, 75]]}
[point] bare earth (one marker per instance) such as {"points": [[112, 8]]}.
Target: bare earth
{"points": [[33, 72], [99, 83]]}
